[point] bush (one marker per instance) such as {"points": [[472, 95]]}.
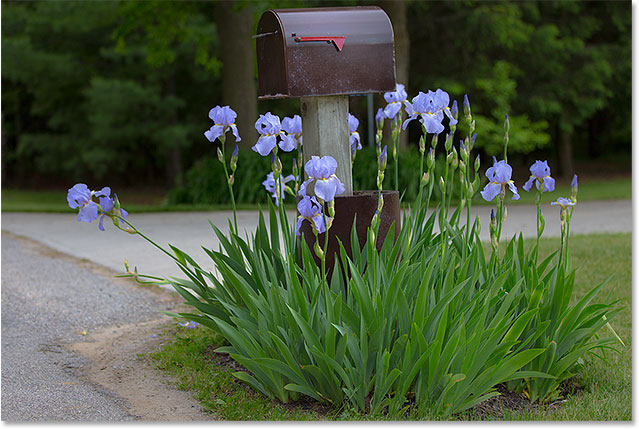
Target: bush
{"points": [[205, 182]]}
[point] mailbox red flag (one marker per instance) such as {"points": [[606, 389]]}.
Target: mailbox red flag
{"points": [[338, 41]]}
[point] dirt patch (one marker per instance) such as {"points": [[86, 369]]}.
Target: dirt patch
{"points": [[493, 408], [120, 363]]}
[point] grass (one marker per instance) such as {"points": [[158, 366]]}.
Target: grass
{"points": [[589, 190], [188, 357], [141, 201], [602, 389]]}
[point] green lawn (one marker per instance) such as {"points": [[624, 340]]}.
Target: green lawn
{"points": [[603, 389], [14, 200], [589, 190]]}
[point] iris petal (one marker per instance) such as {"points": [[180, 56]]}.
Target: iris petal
{"points": [[325, 189], [513, 189], [264, 145], [549, 184], [529, 183], [288, 143], [490, 191]]}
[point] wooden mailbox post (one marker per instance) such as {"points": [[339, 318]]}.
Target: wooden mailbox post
{"points": [[321, 55]]}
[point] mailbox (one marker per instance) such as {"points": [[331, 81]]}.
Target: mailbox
{"points": [[324, 51]]}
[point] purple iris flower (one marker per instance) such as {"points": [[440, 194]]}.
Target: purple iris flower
{"points": [[353, 123], [394, 100], [107, 205], [269, 127], [79, 196], [379, 118], [223, 119], [293, 128], [541, 175], [322, 172], [269, 184], [562, 202], [311, 210], [499, 176], [430, 108]]}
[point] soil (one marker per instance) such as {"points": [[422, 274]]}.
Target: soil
{"points": [[120, 363], [493, 408]]}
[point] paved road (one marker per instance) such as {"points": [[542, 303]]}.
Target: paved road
{"points": [[190, 231], [48, 299]]}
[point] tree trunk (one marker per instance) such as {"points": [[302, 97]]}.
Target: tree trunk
{"points": [[397, 12], [173, 158], [565, 154], [235, 27]]}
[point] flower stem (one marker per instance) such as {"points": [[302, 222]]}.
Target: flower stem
{"points": [[500, 214], [166, 252], [226, 173], [538, 223]]}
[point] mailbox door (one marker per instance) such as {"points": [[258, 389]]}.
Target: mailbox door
{"points": [[271, 57], [325, 51]]}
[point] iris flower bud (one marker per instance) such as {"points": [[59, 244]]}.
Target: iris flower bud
{"points": [[425, 178], [455, 160], [430, 160], [477, 163], [450, 157], [220, 156], [234, 158], [277, 165], [466, 106], [383, 157], [331, 208], [422, 145], [463, 150], [442, 185], [448, 144], [375, 220]]}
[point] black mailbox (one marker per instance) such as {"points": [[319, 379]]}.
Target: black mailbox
{"points": [[324, 51]]}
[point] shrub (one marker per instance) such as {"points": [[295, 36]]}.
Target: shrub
{"points": [[204, 182]]}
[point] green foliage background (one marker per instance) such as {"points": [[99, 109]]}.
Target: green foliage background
{"points": [[119, 92]]}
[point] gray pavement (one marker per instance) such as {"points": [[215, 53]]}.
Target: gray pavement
{"points": [[48, 300], [189, 231]]}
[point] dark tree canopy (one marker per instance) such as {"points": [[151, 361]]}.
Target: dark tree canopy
{"points": [[121, 90]]}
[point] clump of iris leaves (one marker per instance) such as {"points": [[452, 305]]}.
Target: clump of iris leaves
{"points": [[429, 325]]}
